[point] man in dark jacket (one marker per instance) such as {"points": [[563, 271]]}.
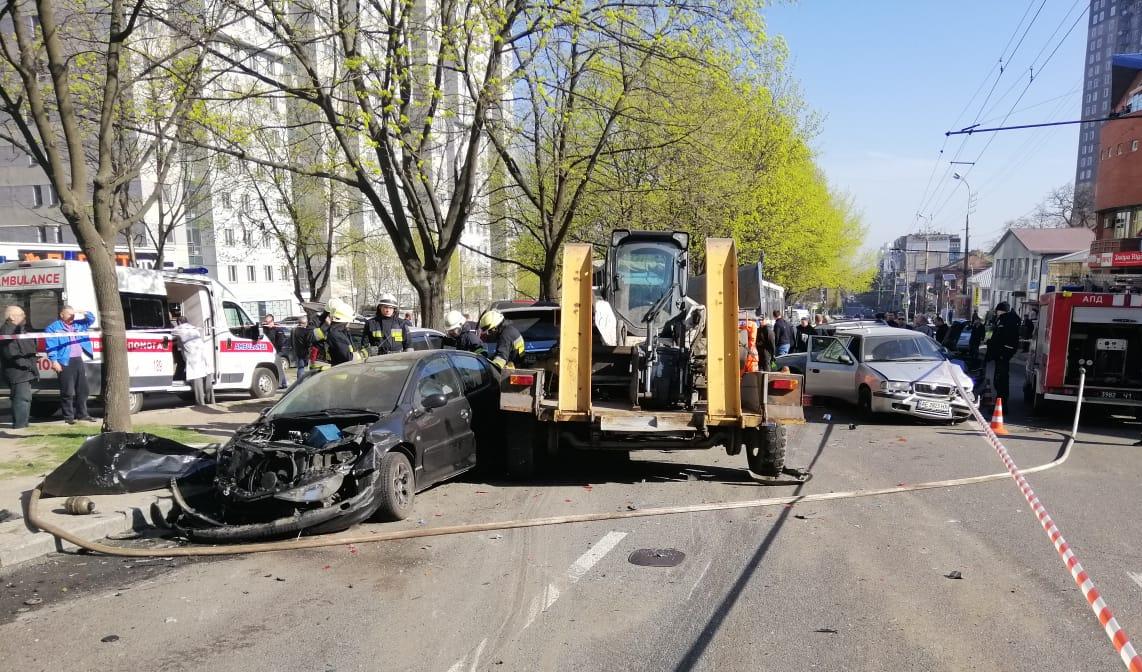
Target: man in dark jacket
{"points": [[976, 338], [277, 336], [19, 359], [765, 348], [941, 330], [782, 334], [1002, 345], [803, 332], [299, 340], [386, 332], [510, 345]]}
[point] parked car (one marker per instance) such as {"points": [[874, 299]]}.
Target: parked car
{"points": [[884, 370], [352, 442], [538, 323]]}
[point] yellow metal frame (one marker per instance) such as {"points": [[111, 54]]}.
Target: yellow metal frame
{"points": [[576, 317], [722, 369]]}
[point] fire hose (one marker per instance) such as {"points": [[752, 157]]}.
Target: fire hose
{"points": [[419, 533]]}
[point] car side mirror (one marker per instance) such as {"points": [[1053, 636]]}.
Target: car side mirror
{"points": [[434, 401], [846, 359]]}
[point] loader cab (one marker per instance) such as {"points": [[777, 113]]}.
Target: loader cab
{"points": [[645, 278]]}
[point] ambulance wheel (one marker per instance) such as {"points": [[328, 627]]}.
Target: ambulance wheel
{"points": [[264, 384], [134, 402]]}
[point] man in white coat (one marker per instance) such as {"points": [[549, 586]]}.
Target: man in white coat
{"points": [[196, 352]]}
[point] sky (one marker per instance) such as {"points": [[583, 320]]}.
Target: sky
{"points": [[889, 77]]}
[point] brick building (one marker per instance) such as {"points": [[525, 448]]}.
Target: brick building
{"points": [[1118, 187]]}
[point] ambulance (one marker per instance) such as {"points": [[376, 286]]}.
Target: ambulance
{"points": [[1096, 331], [243, 359]]}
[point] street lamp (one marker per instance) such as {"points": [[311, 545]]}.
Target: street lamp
{"points": [[967, 248]]}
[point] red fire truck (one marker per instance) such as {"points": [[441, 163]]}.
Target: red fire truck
{"points": [[1100, 332]]}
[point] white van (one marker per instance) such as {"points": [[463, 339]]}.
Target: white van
{"points": [[243, 359]]}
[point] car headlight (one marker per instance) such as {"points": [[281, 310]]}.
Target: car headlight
{"points": [[896, 386]]}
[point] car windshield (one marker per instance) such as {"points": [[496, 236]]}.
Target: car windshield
{"points": [[375, 386], [901, 349]]}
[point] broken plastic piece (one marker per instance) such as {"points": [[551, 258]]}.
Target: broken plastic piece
{"points": [[117, 463], [954, 574]]}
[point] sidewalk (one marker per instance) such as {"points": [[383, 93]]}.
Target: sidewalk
{"points": [[114, 514]]}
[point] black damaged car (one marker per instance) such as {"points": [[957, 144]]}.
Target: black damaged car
{"points": [[351, 443]]}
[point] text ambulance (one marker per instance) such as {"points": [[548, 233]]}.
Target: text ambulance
{"points": [[243, 359]]}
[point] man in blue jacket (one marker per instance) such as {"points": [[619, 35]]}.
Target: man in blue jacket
{"points": [[66, 354]]}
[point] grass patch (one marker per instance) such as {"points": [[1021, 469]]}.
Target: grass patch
{"points": [[55, 444]]}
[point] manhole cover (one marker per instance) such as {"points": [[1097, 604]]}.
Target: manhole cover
{"points": [[656, 557]]}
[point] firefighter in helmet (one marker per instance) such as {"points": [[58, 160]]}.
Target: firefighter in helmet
{"points": [[386, 332], [509, 342], [331, 336], [462, 337]]}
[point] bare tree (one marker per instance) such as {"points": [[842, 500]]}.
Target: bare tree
{"points": [[1061, 208], [75, 79]]}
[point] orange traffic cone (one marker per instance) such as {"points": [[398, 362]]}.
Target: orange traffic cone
{"points": [[997, 418]]}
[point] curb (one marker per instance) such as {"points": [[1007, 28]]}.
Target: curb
{"points": [[20, 544]]}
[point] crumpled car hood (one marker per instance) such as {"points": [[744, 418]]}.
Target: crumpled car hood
{"points": [[939, 373]]}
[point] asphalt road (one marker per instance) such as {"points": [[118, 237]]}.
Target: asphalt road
{"points": [[856, 584]]}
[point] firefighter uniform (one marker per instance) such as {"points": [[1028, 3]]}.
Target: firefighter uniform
{"points": [[386, 335], [461, 336], [470, 341], [509, 347]]}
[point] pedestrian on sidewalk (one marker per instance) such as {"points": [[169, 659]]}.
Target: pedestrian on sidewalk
{"points": [[804, 331], [67, 353], [277, 336], [19, 360], [299, 340], [196, 352], [782, 334]]}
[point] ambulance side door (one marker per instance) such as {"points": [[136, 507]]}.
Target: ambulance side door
{"points": [[150, 348], [241, 350]]}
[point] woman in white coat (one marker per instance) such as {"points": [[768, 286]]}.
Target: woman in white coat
{"points": [[196, 352]]}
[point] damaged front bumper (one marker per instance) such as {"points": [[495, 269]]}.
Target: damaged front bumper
{"points": [[284, 477]]}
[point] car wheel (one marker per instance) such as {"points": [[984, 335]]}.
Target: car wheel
{"points": [[264, 384], [396, 486], [765, 449], [865, 400]]}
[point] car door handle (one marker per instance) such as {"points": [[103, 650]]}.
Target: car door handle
{"points": [[816, 370]]}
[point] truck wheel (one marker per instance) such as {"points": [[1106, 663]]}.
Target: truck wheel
{"points": [[765, 449], [396, 487], [134, 402], [43, 408], [264, 384], [520, 444]]}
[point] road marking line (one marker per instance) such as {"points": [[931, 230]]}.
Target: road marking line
{"points": [[479, 651], [700, 577], [458, 666], [580, 567], [1136, 577]]}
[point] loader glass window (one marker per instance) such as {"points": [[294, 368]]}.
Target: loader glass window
{"points": [[645, 273]]}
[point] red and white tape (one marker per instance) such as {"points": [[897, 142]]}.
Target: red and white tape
{"points": [[1114, 631]]}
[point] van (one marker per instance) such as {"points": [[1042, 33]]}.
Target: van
{"points": [[243, 359]]}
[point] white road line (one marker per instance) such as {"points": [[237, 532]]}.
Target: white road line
{"points": [[1136, 577], [580, 567], [458, 666], [700, 577], [479, 651]]}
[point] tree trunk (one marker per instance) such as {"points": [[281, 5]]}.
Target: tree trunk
{"points": [[549, 278], [431, 294], [114, 378]]}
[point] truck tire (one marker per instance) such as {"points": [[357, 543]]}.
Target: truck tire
{"points": [[520, 447], [264, 384], [765, 449], [396, 487]]}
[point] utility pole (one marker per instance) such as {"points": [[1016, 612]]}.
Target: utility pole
{"points": [[967, 247]]}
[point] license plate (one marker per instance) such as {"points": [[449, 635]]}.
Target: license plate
{"points": [[934, 407], [1111, 394]]}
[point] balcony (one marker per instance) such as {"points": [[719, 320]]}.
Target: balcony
{"points": [[1116, 245]]}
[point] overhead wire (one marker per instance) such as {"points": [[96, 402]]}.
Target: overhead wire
{"points": [[1034, 72]]}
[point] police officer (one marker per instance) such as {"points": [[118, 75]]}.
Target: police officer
{"points": [[386, 332], [456, 326], [509, 342], [1002, 345]]}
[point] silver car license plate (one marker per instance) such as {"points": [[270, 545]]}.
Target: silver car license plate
{"points": [[934, 407]]}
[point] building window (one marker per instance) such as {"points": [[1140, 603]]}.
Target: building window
{"points": [[41, 234], [1134, 145], [284, 272], [232, 273], [44, 194], [245, 202], [226, 201], [342, 273], [269, 271], [1120, 149], [252, 273], [265, 239], [247, 238], [229, 236], [57, 233], [1121, 223]]}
